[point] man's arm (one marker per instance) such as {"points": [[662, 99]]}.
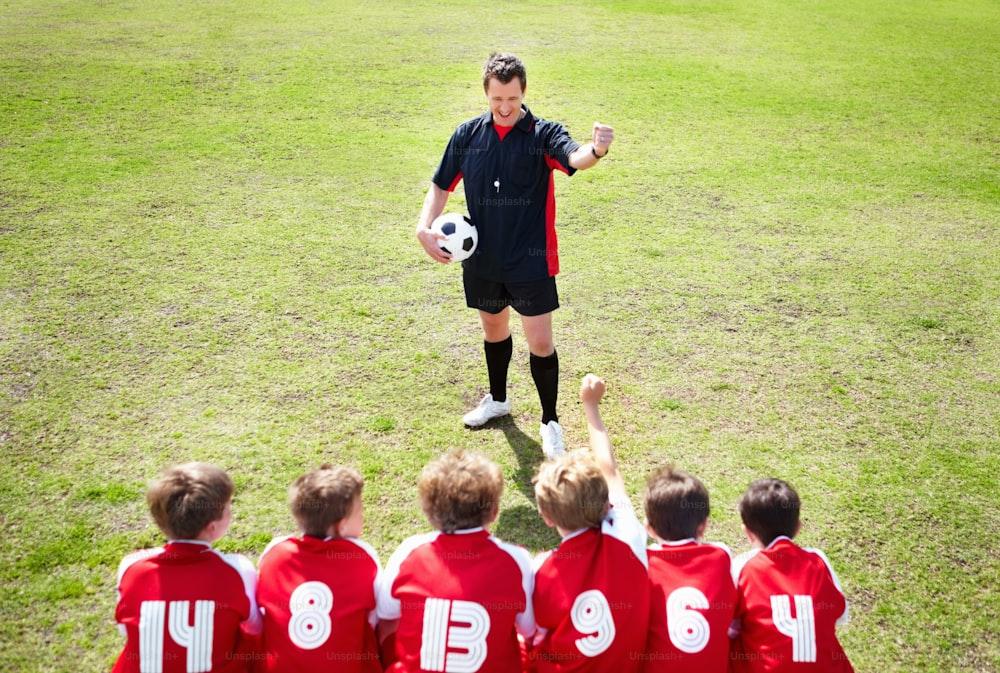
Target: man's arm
{"points": [[591, 391], [434, 204], [601, 139]]}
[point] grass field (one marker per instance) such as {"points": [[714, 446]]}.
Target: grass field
{"points": [[788, 266]]}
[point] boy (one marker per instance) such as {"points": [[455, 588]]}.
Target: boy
{"points": [[461, 596], [184, 606], [592, 592], [789, 600], [317, 589], [693, 597]]}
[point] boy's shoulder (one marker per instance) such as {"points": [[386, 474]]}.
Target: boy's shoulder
{"points": [[135, 560], [190, 562], [782, 556], [280, 549]]}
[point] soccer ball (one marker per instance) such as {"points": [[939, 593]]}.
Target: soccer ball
{"points": [[460, 234]]}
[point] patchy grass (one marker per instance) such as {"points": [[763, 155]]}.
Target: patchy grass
{"points": [[787, 266]]}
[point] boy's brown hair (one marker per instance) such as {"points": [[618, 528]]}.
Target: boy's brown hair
{"points": [[571, 491], [504, 67], [770, 508], [321, 498], [460, 490], [188, 497], [676, 503]]}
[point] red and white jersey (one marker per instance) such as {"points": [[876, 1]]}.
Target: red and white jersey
{"points": [[789, 604], [592, 597], [184, 607], [318, 601], [692, 606], [461, 599]]}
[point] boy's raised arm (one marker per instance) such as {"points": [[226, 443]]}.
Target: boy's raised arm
{"points": [[591, 391]]}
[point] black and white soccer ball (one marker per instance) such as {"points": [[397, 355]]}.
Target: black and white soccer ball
{"points": [[460, 234]]}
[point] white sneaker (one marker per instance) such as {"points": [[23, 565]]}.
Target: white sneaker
{"points": [[552, 439], [486, 411]]}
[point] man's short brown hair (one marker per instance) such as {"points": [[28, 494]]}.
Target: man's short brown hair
{"points": [[504, 67], [460, 490], [186, 498], [321, 498], [571, 491], [676, 503], [770, 508]]}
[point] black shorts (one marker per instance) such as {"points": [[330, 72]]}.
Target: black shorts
{"points": [[535, 297]]}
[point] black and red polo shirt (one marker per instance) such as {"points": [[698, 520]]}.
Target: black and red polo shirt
{"points": [[510, 193]]}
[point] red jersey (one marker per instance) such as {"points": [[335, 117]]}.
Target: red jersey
{"points": [[692, 606], [318, 601], [592, 598], [183, 607], [788, 607], [461, 599]]}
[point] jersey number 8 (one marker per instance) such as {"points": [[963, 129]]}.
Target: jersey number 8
{"points": [[310, 605]]}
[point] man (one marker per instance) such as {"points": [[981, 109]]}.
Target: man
{"points": [[505, 158]]}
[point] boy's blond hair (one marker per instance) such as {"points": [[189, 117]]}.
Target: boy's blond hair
{"points": [[460, 490], [188, 497], [571, 491], [321, 498]]}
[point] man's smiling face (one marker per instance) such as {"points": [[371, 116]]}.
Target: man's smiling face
{"points": [[505, 100]]}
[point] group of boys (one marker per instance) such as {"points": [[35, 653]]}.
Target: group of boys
{"points": [[459, 600]]}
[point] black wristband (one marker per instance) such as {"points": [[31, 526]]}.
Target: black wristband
{"points": [[593, 151]]}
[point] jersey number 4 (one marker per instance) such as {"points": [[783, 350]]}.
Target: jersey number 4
{"points": [[195, 637], [801, 628]]}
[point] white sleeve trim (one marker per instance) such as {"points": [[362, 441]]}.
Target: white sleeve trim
{"points": [[621, 523], [729, 553], [242, 565], [740, 562], [368, 549], [524, 621], [846, 615], [387, 606], [271, 545], [132, 559]]}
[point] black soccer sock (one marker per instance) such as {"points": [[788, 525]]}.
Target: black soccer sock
{"points": [[545, 371], [497, 360]]}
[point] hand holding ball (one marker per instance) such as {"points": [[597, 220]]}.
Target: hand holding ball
{"points": [[460, 236]]}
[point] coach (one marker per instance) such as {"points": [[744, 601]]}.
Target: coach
{"points": [[505, 157]]}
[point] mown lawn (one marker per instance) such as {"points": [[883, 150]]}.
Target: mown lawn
{"points": [[788, 266]]}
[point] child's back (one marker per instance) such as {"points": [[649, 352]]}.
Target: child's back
{"points": [[317, 589], [318, 599], [693, 601], [789, 605], [184, 606], [458, 596], [693, 596], [592, 598], [592, 592], [789, 599]]}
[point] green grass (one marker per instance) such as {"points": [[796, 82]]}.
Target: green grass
{"points": [[788, 266]]}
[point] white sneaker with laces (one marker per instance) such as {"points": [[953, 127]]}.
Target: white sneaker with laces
{"points": [[486, 411], [552, 439]]}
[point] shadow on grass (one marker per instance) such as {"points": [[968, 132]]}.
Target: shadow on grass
{"points": [[523, 526], [528, 452]]}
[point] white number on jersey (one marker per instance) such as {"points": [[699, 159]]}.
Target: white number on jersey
{"points": [[688, 629], [453, 624], [196, 638], [801, 629], [592, 614], [310, 605]]}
